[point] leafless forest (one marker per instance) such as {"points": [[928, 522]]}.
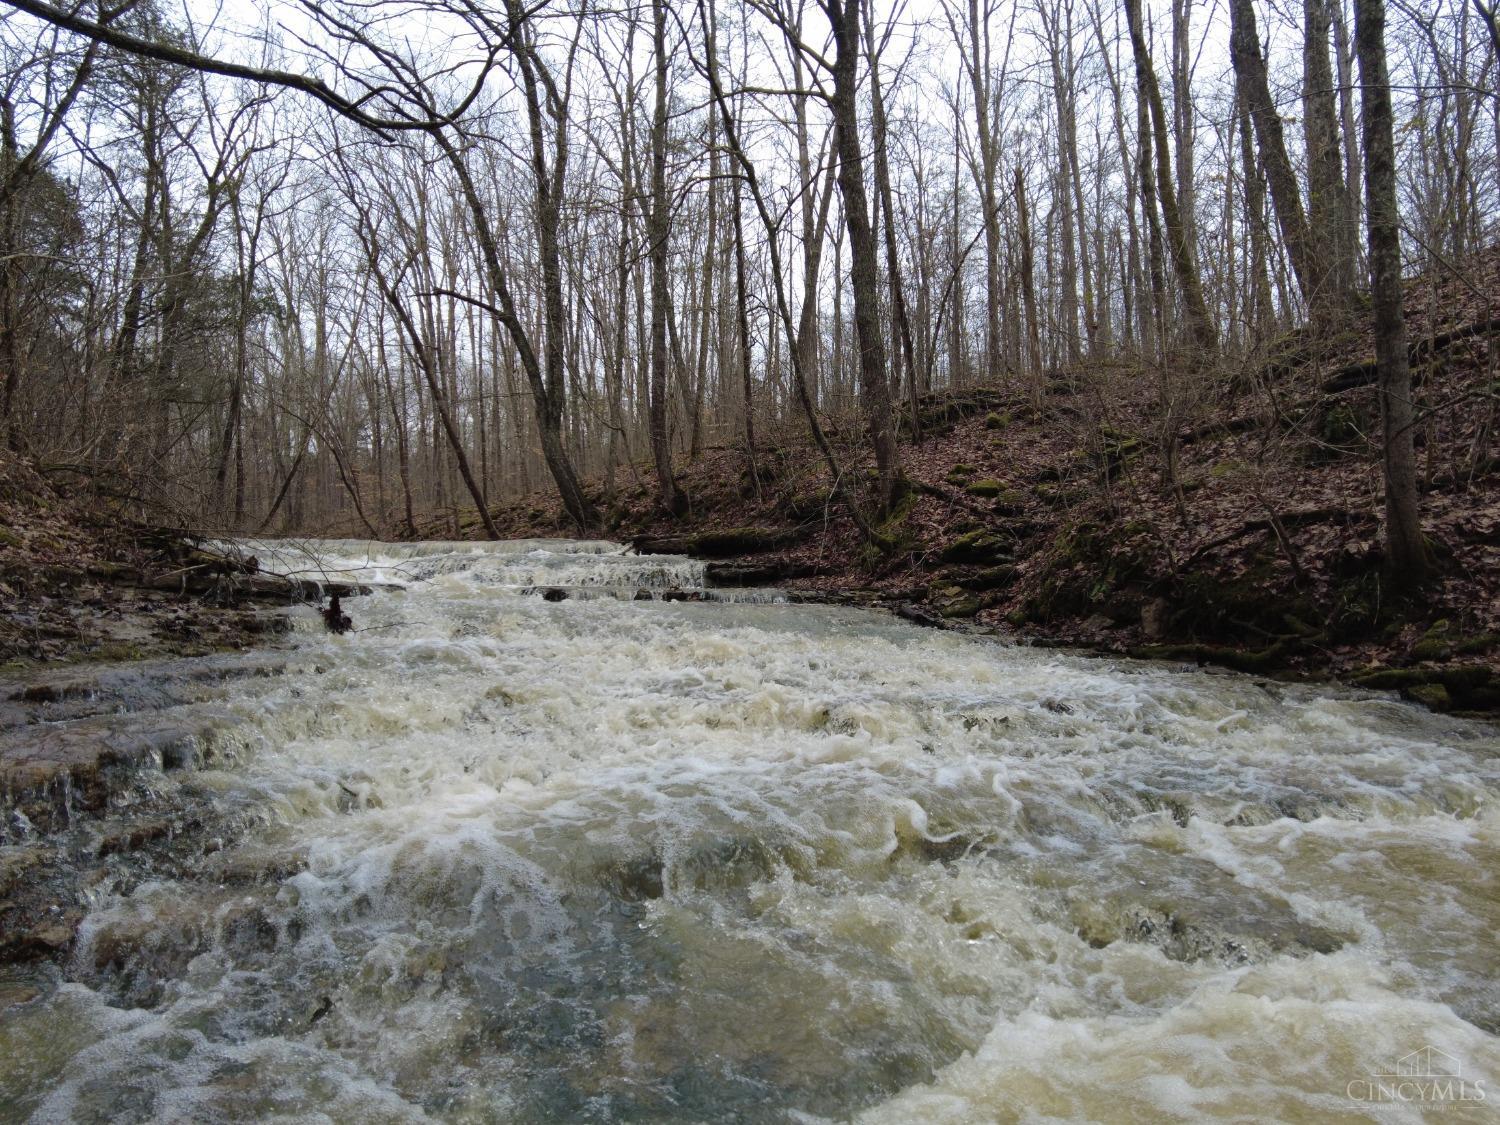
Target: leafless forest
{"points": [[331, 265]]}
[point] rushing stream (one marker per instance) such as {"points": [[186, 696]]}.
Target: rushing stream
{"points": [[491, 857]]}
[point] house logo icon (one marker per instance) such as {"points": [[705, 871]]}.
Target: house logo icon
{"points": [[1425, 1076], [1428, 1062]]}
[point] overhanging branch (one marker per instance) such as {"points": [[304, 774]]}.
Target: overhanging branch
{"points": [[192, 60]]}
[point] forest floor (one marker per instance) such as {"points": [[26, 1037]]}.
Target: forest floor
{"points": [[1051, 517], [79, 584]]}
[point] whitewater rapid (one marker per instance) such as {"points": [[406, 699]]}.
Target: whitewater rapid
{"points": [[490, 857]]}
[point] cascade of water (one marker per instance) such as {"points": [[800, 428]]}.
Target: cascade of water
{"points": [[492, 857]]}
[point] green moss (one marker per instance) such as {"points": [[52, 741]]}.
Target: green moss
{"points": [[1436, 643], [1241, 660], [1482, 642], [1295, 624], [891, 526], [118, 652], [1341, 425], [1120, 447], [1056, 496], [806, 505], [990, 578], [978, 546], [1434, 697], [986, 487], [966, 606], [962, 470], [1010, 501], [1226, 469], [1459, 680], [993, 421]]}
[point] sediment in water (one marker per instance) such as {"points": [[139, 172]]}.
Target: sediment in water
{"points": [[494, 856]]}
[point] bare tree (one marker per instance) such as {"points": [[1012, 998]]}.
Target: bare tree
{"points": [[658, 233], [1406, 551], [1184, 263]]}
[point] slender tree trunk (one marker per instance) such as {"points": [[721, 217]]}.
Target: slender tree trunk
{"points": [[657, 235], [1250, 80], [546, 388], [1028, 287], [1183, 130], [1184, 265], [1406, 553], [978, 66], [864, 272], [1153, 329], [783, 307], [1060, 187], [1343, 53], [903, 352], [742, 320], [1327, 204], [1258, 297]]}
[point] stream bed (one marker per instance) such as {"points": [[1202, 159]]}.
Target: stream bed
{"points": [[619, 857]]}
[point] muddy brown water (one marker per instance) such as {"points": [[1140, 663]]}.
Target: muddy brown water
{"points": [[492, 857]]}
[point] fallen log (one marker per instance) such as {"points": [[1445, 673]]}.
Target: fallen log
{"points": [[1267, 523], [1365, 372]]}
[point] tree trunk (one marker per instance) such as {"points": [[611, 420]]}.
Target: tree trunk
{"points": [[1406, 553], [904, 349], [657, 234], [1250, 79], [1184, 265], [864, 271], [1154, 326], [978, 67], [742, 322], [1028, 288], [1258, 284], [1327, 204]]}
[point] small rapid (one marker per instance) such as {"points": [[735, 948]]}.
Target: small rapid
{"points": [[625, 857]]}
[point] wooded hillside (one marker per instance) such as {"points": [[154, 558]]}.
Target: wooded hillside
{"points": [[558, 240], [1133, 270]]}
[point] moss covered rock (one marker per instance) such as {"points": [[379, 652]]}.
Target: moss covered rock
{"points": [[979, 546], [1434, 697], [1010, 501], [990, 578], [966, 606]]}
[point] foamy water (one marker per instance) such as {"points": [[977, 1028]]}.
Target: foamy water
{"points": [[491, 858]]}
